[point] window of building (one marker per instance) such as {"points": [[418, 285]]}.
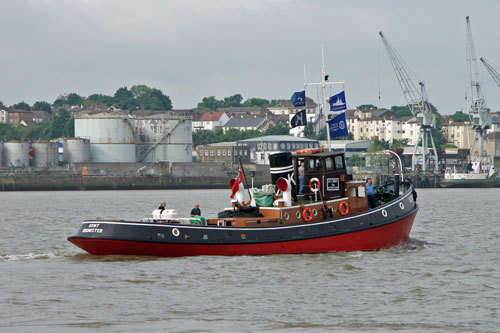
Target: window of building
{"points": [[224, 152], [259, 146], [282, 146], [261, 156], [246, 152], [218, 152], [206, 152], [212, 152], [229, 152], [288, 146], [275, 146]]}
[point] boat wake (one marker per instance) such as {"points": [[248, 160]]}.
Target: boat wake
{"points": [[415, 244]]}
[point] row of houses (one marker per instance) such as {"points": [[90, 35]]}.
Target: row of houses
{"points": [[22, 117]]}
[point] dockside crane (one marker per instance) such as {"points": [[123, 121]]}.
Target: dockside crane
{"points": [[493, 69], [418, 104], [481, 120]]}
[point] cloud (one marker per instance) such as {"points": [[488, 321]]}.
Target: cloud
{"points": [[191, 49]]}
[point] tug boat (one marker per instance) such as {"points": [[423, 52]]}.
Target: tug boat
{"points": [[334, 213]]}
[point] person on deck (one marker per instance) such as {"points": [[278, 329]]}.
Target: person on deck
{"points": [[301, 178], [369, 192], [196, 210], [162, 206]]}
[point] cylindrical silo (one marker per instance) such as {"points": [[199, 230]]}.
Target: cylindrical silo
{"points": [[164, 137], [112, 137], [76, 150], [45, 153], [16, 153]]}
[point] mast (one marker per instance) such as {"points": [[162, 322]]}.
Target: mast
{"points": [[323, 107]]}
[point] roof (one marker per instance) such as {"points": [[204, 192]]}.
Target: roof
{"points": [[242, 109], [289, 138], [495, 119], [245, 122], [211, 116]]}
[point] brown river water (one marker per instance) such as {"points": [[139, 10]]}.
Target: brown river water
{"points": [[445, 280]]}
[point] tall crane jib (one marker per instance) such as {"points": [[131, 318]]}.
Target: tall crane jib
{"points": [[417, 101], [493, 69], [481, 119]]}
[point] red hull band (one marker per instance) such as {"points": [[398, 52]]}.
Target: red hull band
{"points": [[388, 236]]}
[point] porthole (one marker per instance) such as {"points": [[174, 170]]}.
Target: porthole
{"points": [[401, 205], [384, 212], [315, 212], [287, 216], [176, 232], [297, 214]]}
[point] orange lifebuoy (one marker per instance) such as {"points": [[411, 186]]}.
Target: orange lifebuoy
{"points": [[344, 208], [317, 150], [317, 184], [307, 214], [303, 151]]}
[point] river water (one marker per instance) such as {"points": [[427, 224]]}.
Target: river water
{"points": [[446, 280]]}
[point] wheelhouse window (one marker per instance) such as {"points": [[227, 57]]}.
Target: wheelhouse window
{"points": [[329, 163], [339, 162]]}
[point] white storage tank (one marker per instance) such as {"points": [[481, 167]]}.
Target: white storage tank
{"points": [[1, 153], [76, 150], [112, 136], [164, 137], [16, 153], [45, 153]]}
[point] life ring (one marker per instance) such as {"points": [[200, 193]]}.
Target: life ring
{"points": [[307, 214], [344, 208], [303, 151], [175, 232], [317, 150], [316, 187]]}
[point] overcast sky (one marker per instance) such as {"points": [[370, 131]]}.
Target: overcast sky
{"points": [[192, 49]]}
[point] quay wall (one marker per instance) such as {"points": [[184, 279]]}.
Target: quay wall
{"points": [[114, 176]]}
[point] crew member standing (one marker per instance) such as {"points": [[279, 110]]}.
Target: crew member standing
{"points": [[369, 192], [301, 178]]}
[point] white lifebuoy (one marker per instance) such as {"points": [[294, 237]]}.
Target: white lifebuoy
{"points": [[176, 232], [402, 205], [317, 184]]}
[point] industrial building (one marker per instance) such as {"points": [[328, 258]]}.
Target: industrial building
{"points": [[262, 147], [125, 138], [223, 152]]}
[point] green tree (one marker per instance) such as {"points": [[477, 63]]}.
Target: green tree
{"points": [[150, 98], [232, 101], [203, 137], [401, 111], [98, 99], [278, 129], [61, 125], [209, 103], [354, 160], [42, 106], [437, 133], [459, 116], [367, 107], [378, 145], [260, 102], [69, 99], [124, 99], [22, 106]]}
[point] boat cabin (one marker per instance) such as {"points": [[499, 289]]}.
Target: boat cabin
{"points": [[328, 168]]}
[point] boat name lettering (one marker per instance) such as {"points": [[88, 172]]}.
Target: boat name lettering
{"points": [[93, 227]]}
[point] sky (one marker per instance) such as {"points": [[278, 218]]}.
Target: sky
{"points": [[191, 49]]}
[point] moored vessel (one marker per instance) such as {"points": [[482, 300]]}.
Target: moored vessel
{"points": [[334, 213]]}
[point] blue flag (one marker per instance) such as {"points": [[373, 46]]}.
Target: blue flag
{"points": [[299, 119], [338, 126], [299, 98], [337, 102]]}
